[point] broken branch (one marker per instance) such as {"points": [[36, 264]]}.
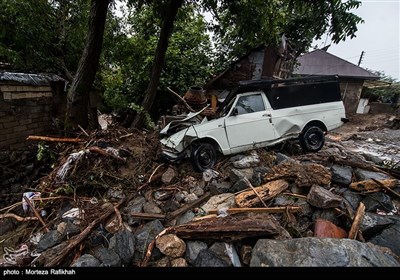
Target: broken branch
{"points": [[357, 221], [18, 218], [36, 214], [54, 139], [187, 207], [181, 99], [386, 187], [254, 190]]}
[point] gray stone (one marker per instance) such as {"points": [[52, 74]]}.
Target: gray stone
{"points": [[49, 240], [226, 251], [191, 197], [236, 174], [377, 201], [259, 175], [372, 224], [207, 258], [239, 186], [319, 252], [352, 198], [341, 175], [322, 198], [107, 257], [185, 218], [168, 176], [68, 229], [151, 208], [248, 161], [284, 200], [218, 187], [123, 243], [362, 175], [86, 261], [281, 158], [134, 206], [144, 236], [115, 193], [163, 195], [192, 250], [170, 206], [198, 191], [180, 197], [389, 237], [225, 200]]}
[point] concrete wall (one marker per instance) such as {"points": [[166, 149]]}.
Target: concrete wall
{"points": [[24, 110], [379, 108], [351, 93]]}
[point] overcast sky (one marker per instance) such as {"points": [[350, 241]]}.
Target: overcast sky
{"points": [[378, 37]]}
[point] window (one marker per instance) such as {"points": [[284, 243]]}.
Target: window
{"points": [[250, 104]]}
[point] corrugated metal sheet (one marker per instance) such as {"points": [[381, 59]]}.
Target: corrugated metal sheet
{"points": [[31, 79], [320, 62]]}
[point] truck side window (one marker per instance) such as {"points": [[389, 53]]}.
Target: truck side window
{"points": [[250, 104]]}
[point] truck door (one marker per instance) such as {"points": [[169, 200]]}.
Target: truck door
{"points": [[249, 121]]}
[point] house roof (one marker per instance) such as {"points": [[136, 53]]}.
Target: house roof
{"points": [[32, 79], [320, 62]]}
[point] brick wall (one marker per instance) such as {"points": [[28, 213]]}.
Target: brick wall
{"points": [[24, 110]]}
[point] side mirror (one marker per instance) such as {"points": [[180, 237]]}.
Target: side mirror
{"points": [[235, 112]]}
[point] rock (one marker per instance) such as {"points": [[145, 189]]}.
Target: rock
{"points": [[239, 186], [389, 237], [322, 198], [362, 175], [99, 236], [86, 261], [370, 157], [123, 243], [218, 187], [107, 257], [168, 176], [209, 175], [192, 250], [321, 252], [207, 258], [281, 158], [245, 254], [163, 195], [248, 161], [352, 198], [180, 196], [324, 228], [68, 229], [226, 200], [144, 236], [235, 174], [170, 206], [134, 206], [328, 215], [151, 208], [227, 252], [198, 191], [377, 201], [112, 225], [236, 157], [185, 218], [179, 262], [341, 175], [372, 224], [49, 240], [191, 197], [258, 175], [163, 262], [115, 193], [283, 200], [171, 245]]}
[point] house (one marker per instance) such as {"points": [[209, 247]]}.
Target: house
{"points": [[26, 106], [352, 77], [263, 62]]}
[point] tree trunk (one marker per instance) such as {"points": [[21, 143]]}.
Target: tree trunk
{"points": [[162, 45], [78, 94]]}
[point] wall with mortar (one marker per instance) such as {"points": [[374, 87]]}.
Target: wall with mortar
{"points": [[24, 110]]}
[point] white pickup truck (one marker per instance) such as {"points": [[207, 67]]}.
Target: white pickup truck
{"points": [[258, 114]]}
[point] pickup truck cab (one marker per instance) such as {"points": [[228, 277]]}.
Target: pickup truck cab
{"points": [[258, 114]]}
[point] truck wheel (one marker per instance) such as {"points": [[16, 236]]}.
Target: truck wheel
{"points": [[312, 139], [203, 156]]}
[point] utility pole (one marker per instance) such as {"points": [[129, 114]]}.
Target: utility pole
{"points": [[361, 57]]}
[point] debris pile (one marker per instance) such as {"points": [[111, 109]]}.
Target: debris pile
{"points": [[110, 201]]}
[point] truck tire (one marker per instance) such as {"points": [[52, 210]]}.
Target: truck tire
{"points": [[312, 139], [203, 156]]}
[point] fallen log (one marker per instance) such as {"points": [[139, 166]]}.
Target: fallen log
{"points": [[372, 186], [259, 210], [265, 192], [357, 221], [54, 139]]}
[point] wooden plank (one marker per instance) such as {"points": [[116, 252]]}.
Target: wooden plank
{"points": [[357, 221], [25, 95], [147, 216], [267, 191], [386, 187], [54, 139], [373, 186], [259, 210]]}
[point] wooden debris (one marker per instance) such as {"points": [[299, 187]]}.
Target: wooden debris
{"points": [[255, 191], [386, 187], [102, 152], [81, 128], [54, 139], [357, 221], [303, 175], [372, 186], [182, 100], [18, 218], [36, 213], [147, 216], [229, 228], [259, 210], [266, 192], [187, 207]]}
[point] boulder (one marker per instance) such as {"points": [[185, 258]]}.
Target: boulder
{"points": [[123, 243], [372, 224], [207, 258], [322, 198], [86, 261], [192, 250], [171, 245], [389, 237], [341, 175], [107, 257], [144, 236], [378, 200]]}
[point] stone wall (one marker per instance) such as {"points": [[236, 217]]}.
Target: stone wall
{"points": [[351, 93], [24, 110]]}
